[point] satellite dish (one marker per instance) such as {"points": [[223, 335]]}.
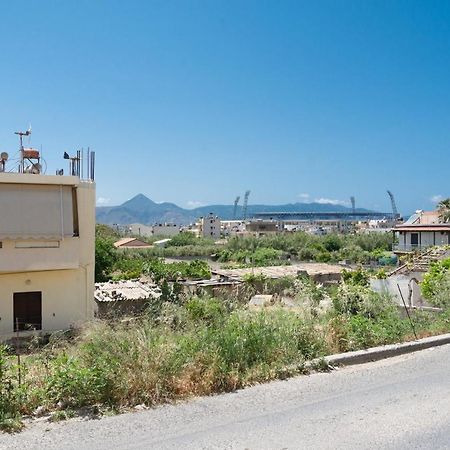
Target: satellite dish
{"points": [[4, 156], [36, 168]]}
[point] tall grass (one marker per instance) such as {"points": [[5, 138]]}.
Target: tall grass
{"points": [[199, 347]]}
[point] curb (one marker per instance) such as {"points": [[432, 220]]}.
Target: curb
{"points": [[385, 351]]}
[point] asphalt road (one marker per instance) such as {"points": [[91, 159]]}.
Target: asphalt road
{"points": [[400, 403]]}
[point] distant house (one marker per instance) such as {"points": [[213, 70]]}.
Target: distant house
{"points": [[260, 227], [422, 230], [131, 243], [140, 230], [165, 229]]}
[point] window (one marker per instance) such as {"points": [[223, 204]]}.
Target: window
{"points": [[414, 238], [27, 311]]}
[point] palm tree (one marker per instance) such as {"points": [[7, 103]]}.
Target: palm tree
{"points": [[444, 210]]}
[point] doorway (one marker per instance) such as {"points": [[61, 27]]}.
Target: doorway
{"points": [[27, 311]]}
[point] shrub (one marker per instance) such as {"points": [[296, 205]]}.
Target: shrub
{"points": [[435, 278], [357, 277], [105, 257]]}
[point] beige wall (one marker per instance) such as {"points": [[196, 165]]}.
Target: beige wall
{"points": [[64, 298], [63, 272]]}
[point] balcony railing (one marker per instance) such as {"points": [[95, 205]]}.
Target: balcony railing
{"points": [[410, 247]]}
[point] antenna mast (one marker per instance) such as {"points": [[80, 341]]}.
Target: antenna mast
{"points": [[21, 134]]}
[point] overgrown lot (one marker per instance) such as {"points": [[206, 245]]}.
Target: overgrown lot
{"points": [[199, 346]]}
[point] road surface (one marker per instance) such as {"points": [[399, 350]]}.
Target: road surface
{"points": [[399, 403]]}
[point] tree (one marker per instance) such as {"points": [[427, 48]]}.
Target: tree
{"points": [[444, 210], [105, 256]]}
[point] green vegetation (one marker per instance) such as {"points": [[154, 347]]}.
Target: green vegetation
{"points": [[185, 346], [194, 270], [268, 250], [241, 251], [435, 286], [444, 210]]}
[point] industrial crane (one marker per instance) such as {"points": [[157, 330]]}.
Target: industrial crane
{"points": [[236, 201], [245, 205], [395, 214]]}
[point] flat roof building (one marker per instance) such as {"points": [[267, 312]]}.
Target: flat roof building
{"points": [[47, 252]]}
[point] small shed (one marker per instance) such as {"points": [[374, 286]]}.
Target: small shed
{"points": [[128, 297]]}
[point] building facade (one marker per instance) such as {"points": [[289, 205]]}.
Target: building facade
{"points": [[165, 229], [47, 252], [209, 226], [422, 230]]}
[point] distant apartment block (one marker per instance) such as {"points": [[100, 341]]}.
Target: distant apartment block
{"points": [[209, 226]]}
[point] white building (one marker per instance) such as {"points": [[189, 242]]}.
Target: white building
{"points": [[209, 226], [232, 227], [47, 237], [138, 229], [423, 229], [165, 229]]}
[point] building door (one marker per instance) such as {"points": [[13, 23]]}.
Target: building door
{"points": [[414, 239], [27, 311]]}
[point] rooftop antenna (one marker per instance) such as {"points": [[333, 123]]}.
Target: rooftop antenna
{"points": [[21, 134], [395, 214], [236, 201], [245, 205], [74, 166]]}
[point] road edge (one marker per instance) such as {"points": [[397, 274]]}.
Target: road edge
{"points": [[384, 351]]}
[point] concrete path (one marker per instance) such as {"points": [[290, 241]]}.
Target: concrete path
{"points": [[399, 403]]}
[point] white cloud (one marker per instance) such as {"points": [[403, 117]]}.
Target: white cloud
{"points": [[194, 204], [101, 201], [304, 196], [436, 198], [330, 201]]}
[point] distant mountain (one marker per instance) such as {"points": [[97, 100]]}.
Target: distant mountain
{"points": [[141, 209]]}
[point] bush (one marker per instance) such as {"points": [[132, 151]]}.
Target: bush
{"points": [[9, 396], [435, 279], [160, 270], [105, 257]]}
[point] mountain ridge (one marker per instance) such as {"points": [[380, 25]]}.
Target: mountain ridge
{"points": [[141, 209]]}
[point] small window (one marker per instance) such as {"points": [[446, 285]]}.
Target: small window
{"points": [[1, 244]]}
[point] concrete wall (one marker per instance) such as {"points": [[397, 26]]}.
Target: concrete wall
{"points": [[408, 287], [64, 298]]}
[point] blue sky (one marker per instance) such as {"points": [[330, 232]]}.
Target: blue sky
{"points": [[196, 101]]}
